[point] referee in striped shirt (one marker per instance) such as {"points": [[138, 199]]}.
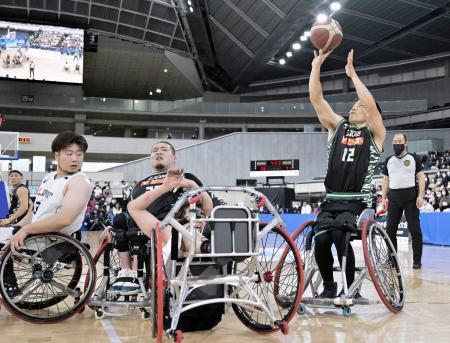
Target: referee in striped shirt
{"points": [[404, 186]]}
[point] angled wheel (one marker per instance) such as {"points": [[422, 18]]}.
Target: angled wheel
{"points": [[383, 266], [108, 264], [49, 277], [279, 284]]}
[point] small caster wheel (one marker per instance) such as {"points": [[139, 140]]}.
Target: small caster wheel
{"points": [[99, 314], [178, 336], [145, 315], [301, 310], [346, 311], [284, 327]]}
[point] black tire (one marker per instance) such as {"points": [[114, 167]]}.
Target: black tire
{"points": [[383, 266], [51, 281], [282, 279]]}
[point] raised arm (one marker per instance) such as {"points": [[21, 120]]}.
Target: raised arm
{"points": [[327, 117], [374, 119]]}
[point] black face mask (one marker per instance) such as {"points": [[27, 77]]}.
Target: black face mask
{"points": [[398, 148]]}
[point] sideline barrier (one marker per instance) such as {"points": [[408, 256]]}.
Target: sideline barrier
{"points": [[435, 225]]}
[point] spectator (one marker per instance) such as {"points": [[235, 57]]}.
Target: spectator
{"points": [[306, 208]]}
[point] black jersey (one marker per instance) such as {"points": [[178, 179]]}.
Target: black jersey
{"points": [[352, 158], [161, 206], [15, 203]]}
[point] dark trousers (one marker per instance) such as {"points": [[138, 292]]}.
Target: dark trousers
{"points": [[395, 211], [324, 256]]}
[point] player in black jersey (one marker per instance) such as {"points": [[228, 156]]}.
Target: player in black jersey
{"points": [[354, 147], [162, 159], [20, 197]]}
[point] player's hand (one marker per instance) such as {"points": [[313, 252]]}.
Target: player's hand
{"points": [[174, 178], [5, 222], [384, 202], [349, 69], [320, 58], [17, 240], [105, 236], [419, 202]]}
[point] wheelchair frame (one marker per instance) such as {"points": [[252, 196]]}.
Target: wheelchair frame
{"points": [[367, 227], [180, 285]]}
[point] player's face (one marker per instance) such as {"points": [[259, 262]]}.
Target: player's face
{"points": [[70, 159], [199, 225], [162, 157], [398, 139], [15, 179], [358, 114]]}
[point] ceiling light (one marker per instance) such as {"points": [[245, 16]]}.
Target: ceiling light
{"points": [[296, 46], [158, 90], [321, 17], [150, 93], [282, 61], [307, 33], [289, 54], [303, 38], [189, 2], [335, 6], [191, 9], [165, 70]]}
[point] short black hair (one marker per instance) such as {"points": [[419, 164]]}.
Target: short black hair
{"points": [[401, 134], [171, 146], [15, 171], [67, 138]]}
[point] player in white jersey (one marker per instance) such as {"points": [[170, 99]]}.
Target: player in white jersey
{"points": [[63, 195]]}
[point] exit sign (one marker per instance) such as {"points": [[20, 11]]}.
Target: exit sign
{"points": [[26, 140]]}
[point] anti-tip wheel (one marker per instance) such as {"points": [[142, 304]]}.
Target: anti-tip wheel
{"points": [[301, 310], [99, 314], [346, 311], [178, 336]]}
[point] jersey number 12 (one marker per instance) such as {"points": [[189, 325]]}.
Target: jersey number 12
{"points": [[348, 155]]}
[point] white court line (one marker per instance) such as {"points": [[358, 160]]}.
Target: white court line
{"points": [[110, 332]]}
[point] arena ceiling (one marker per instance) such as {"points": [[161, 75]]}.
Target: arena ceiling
{"points": [[235, 43]]}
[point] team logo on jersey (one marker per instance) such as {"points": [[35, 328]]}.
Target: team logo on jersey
{"points": [[353, 137], [406, 163], [45, 193]]}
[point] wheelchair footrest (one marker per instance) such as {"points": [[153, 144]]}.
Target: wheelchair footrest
{"points": [[110, 303]]}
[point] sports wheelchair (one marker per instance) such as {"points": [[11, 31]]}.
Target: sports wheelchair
{"points": [[263, 291], [108, 263], [382, 267], [49, 280]]}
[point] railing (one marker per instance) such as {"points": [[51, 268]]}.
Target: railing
{"points": [[194, 106]]}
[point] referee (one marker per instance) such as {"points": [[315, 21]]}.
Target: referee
{"points": [[402, 173]]}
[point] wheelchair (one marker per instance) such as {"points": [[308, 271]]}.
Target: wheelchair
{"points": [[263, 292], [108, 265], [382, 267], [50, 279]]}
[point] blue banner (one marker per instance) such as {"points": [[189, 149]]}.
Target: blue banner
{"points": [[4, 207], [435, 225]]}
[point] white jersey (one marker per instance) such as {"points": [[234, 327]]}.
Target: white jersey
{"points": [[49, 200]]}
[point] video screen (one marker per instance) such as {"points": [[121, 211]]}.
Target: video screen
{"points": [[41, 52]]}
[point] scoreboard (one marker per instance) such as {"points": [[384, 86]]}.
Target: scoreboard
{"points": [[274, 168]]}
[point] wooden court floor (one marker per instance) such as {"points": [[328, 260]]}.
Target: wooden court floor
{"points": [[425, 318]]}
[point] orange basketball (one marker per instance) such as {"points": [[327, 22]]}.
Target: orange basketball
{"points": [[326, 35]]}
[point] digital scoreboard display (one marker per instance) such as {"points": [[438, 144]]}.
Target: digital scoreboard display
{"points": [[275, 168]]}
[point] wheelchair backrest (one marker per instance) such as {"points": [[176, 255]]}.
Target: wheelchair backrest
{"points": [[233, 230], [365, 215]]}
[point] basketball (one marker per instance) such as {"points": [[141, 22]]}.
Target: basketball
{"points": [[326, 35]]}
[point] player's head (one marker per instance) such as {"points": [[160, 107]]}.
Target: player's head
{"points": [[358, 113], [183, 216], [15, 178], [162, 156], [69, 149]]}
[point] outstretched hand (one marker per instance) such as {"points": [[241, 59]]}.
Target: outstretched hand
{"points": [[175, 180], [349, 69], [320, 58]]}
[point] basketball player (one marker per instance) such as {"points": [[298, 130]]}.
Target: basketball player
{"points": [[63, 195], [162, 159], [354, 148], [20, 197]]}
